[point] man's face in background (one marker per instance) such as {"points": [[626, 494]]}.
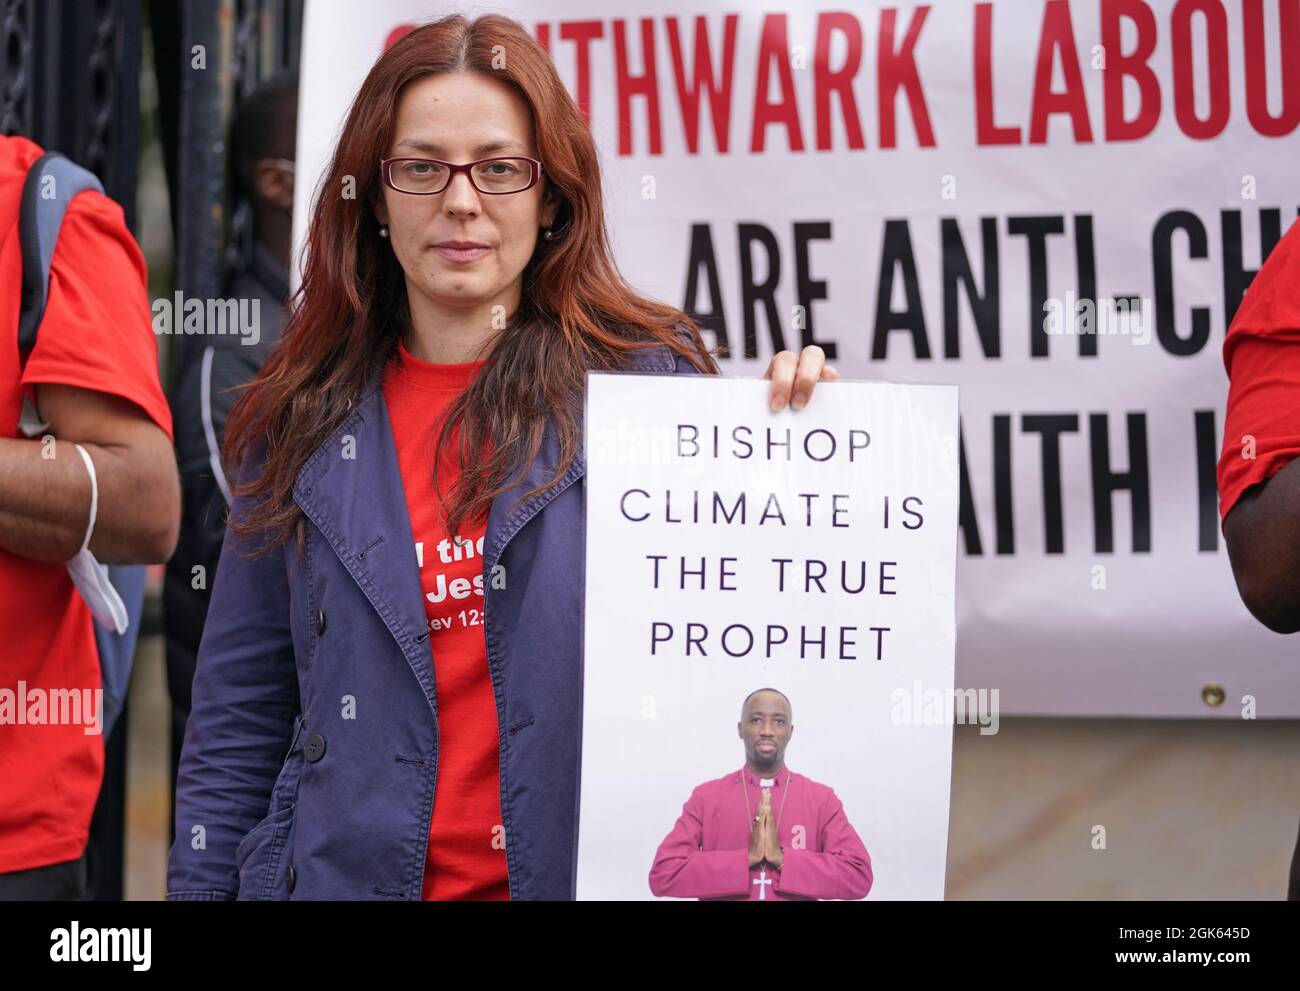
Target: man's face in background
{"points": [[766, 727]]}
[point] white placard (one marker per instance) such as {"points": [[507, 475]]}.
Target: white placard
{"points": [[730, 548]]}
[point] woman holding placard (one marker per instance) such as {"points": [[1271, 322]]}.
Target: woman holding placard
{"points": [[387, 698]]}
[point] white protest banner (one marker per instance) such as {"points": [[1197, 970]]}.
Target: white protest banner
{"points": [[1057, 204], [729, 549]]}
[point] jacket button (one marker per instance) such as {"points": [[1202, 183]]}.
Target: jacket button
{"points": [[320, 621], [293, 878], [314, 749]]}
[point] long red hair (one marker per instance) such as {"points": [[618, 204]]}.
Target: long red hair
{"points": [[576, 312]]}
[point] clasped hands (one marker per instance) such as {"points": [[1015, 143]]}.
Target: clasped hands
{"points": [[764, 844]]}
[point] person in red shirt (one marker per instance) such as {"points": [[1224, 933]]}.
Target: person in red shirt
{"points": [[94, 377], [466, 857], [1258, 474], [466, 852]]}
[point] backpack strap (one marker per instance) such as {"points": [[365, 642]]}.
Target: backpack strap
{"points": [[52, 182]]}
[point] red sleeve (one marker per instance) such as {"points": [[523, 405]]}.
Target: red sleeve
{"points": [[97, 332], [1261, 432]]}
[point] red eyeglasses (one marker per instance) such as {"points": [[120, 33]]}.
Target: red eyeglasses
{"points": [[490, 176]]}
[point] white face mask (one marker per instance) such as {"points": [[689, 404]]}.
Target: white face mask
{"points": [[90, 577]]}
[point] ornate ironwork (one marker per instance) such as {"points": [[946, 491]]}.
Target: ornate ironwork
{"points": [[16, 64], [69, 75]]}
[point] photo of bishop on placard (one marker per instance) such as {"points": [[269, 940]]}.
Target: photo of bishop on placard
{"points": [[762, 833]]}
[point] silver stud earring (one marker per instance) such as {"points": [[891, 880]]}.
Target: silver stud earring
{"points": [[383, 230]]}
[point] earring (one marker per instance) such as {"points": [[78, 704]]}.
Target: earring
{"points": [[383, 230], [550, 234]]}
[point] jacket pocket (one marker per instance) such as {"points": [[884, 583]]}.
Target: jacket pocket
{"points": [[285, 790], [260, 858]]}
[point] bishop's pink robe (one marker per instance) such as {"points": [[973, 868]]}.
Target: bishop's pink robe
{"points": [[707, 853]]}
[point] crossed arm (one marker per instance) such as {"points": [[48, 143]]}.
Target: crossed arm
{"points": [[45, 488]]}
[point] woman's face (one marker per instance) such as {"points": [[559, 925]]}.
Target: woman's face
{"points": [[460, 118]]}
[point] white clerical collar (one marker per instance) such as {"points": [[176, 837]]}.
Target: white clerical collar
{"points": [[765, 782]]}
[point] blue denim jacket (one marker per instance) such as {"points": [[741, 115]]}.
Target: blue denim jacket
{"points": [[279, 795]]}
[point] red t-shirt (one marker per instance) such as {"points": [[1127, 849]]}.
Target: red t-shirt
{"points": [[1262, 356], [96, 334], [466, 842]]}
